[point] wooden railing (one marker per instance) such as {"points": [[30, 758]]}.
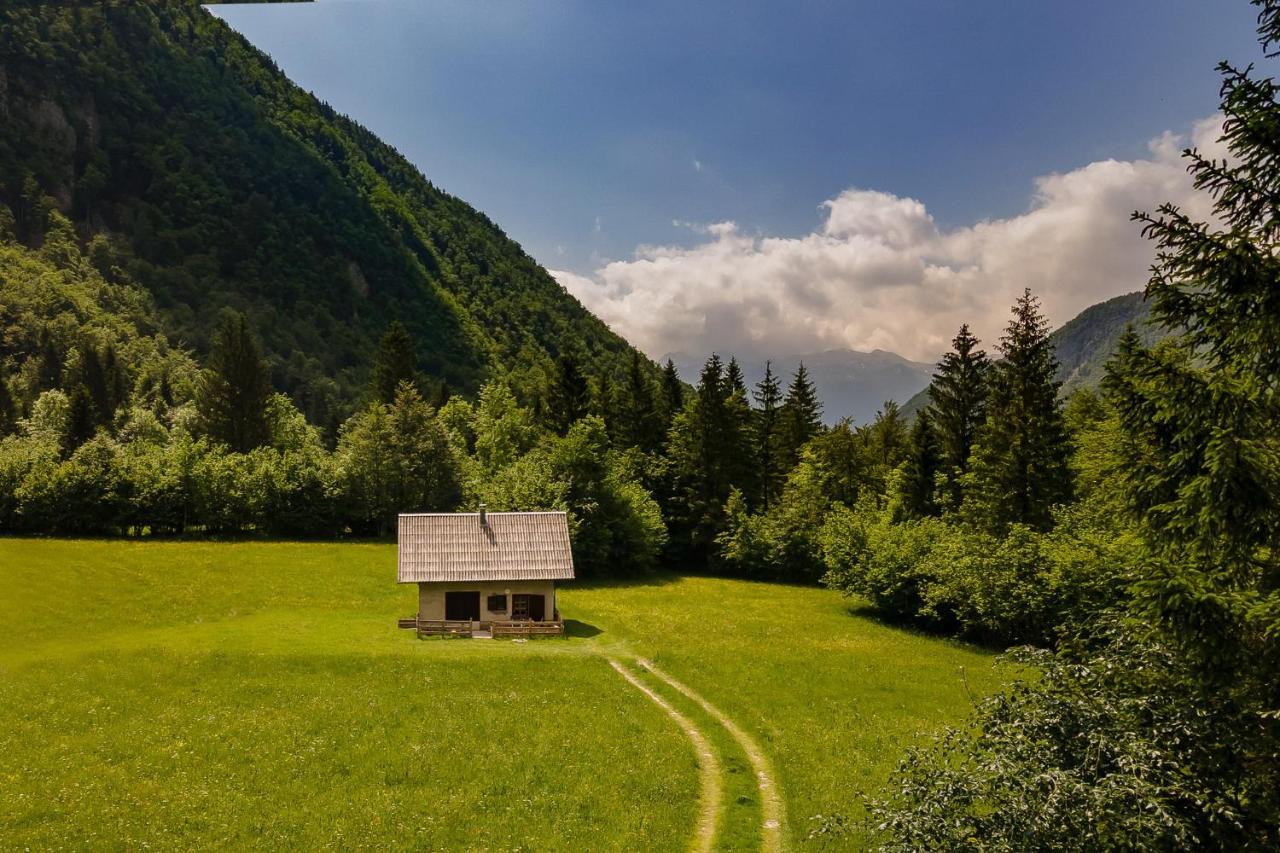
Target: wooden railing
{"points": [[444, 627], [462, 627], [527, 629]]}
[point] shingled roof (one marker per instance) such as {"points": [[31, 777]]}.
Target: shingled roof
{"points": [[509, 546]]}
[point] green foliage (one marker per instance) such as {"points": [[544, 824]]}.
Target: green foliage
{"points": [[958, 403], [1019, 467], [394, 362], [924, 462], [1091, 754], [1159, 730], [396, 458], [233, 391], [767, 437], [801, 417], [224, 185]]}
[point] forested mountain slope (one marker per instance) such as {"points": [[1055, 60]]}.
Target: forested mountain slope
{"points": [[220, 184]]}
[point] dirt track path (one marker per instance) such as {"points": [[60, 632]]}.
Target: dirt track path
{"points": [[708, 764], [770, 800]]}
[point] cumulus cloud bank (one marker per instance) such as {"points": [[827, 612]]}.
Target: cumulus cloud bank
{"points": [[879, 273]]}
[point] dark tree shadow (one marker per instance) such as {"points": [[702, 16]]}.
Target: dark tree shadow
{"points": [[575, 628]]}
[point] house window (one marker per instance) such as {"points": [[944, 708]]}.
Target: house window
{"points": [[497, 604], [519, 607]]}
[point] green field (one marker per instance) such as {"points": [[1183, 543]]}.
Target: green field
{"points": [[182, 695]]}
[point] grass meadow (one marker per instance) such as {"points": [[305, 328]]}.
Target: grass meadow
{"points": [[259, 694]]}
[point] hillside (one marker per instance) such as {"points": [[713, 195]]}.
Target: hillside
{"points": [[220, 184], [850, 383], [1085, 343]]}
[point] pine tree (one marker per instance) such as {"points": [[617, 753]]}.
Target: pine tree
{"points": [[640, 425], [958, 397], [569, 397], [1020, 468], [698, 460], [768, 438], [49, 370], [604, 402], [740, 468], [8, 411], [395, 361], [919, 475], [801, 417], [733, 378], [670, 398], [231, 398]]}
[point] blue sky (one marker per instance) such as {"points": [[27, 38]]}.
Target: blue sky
{"points": [[588, 129]]}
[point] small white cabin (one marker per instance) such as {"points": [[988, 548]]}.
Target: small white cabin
{"points": [[479, 571]]}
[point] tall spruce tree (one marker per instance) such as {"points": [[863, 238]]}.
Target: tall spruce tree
{"points": [[918, 497], [49, 362], [569, 397], [801, 417], [231, 398], [958, 397], [640, 421], [8, 411], [670, 397], [698, 453], [395, 361], [1020, 469], [737, 438], [604, 402], [768, 438]]}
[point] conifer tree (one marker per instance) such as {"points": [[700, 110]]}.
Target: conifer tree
{"points": [[8, 411], [740, 468], [231, 398], [49, 366], [604, 402], [640, 425], [569, 397], [670, 397], [395, 361], [698, 459], [958, 397], [768, 438], [920, 471], [801, 417], [733, 378], [1020, 468]]}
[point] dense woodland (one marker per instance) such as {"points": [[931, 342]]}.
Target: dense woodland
{"points": [[221, 185], [1128, 536]]}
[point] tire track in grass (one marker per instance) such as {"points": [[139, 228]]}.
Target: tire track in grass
{"points": [[708, 764], [770, 800]]}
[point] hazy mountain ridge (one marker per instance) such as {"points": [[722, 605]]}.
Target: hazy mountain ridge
{"points": [[1086, 343], [850, 383]]}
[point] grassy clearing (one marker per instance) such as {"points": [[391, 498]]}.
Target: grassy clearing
{"points": [[832, 696], [189, 695], [251, 694]]}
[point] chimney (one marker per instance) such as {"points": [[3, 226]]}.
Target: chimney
{"points": [[484, 517]]}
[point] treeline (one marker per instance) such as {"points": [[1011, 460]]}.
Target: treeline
{"points": [[1153, 724]]}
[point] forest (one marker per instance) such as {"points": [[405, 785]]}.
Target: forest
{"points": [[1123, 541]]}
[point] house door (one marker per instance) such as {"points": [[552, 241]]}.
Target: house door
{"points": [[462, 605], [529, 607]]}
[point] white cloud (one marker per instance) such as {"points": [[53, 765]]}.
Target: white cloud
{"points": [[879, 273], [697, 165]]}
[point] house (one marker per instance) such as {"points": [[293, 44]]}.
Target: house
{"points": [[479, 571]]}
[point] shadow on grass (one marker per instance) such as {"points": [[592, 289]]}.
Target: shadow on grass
{"points": [[575, 628], [944, 632]]}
